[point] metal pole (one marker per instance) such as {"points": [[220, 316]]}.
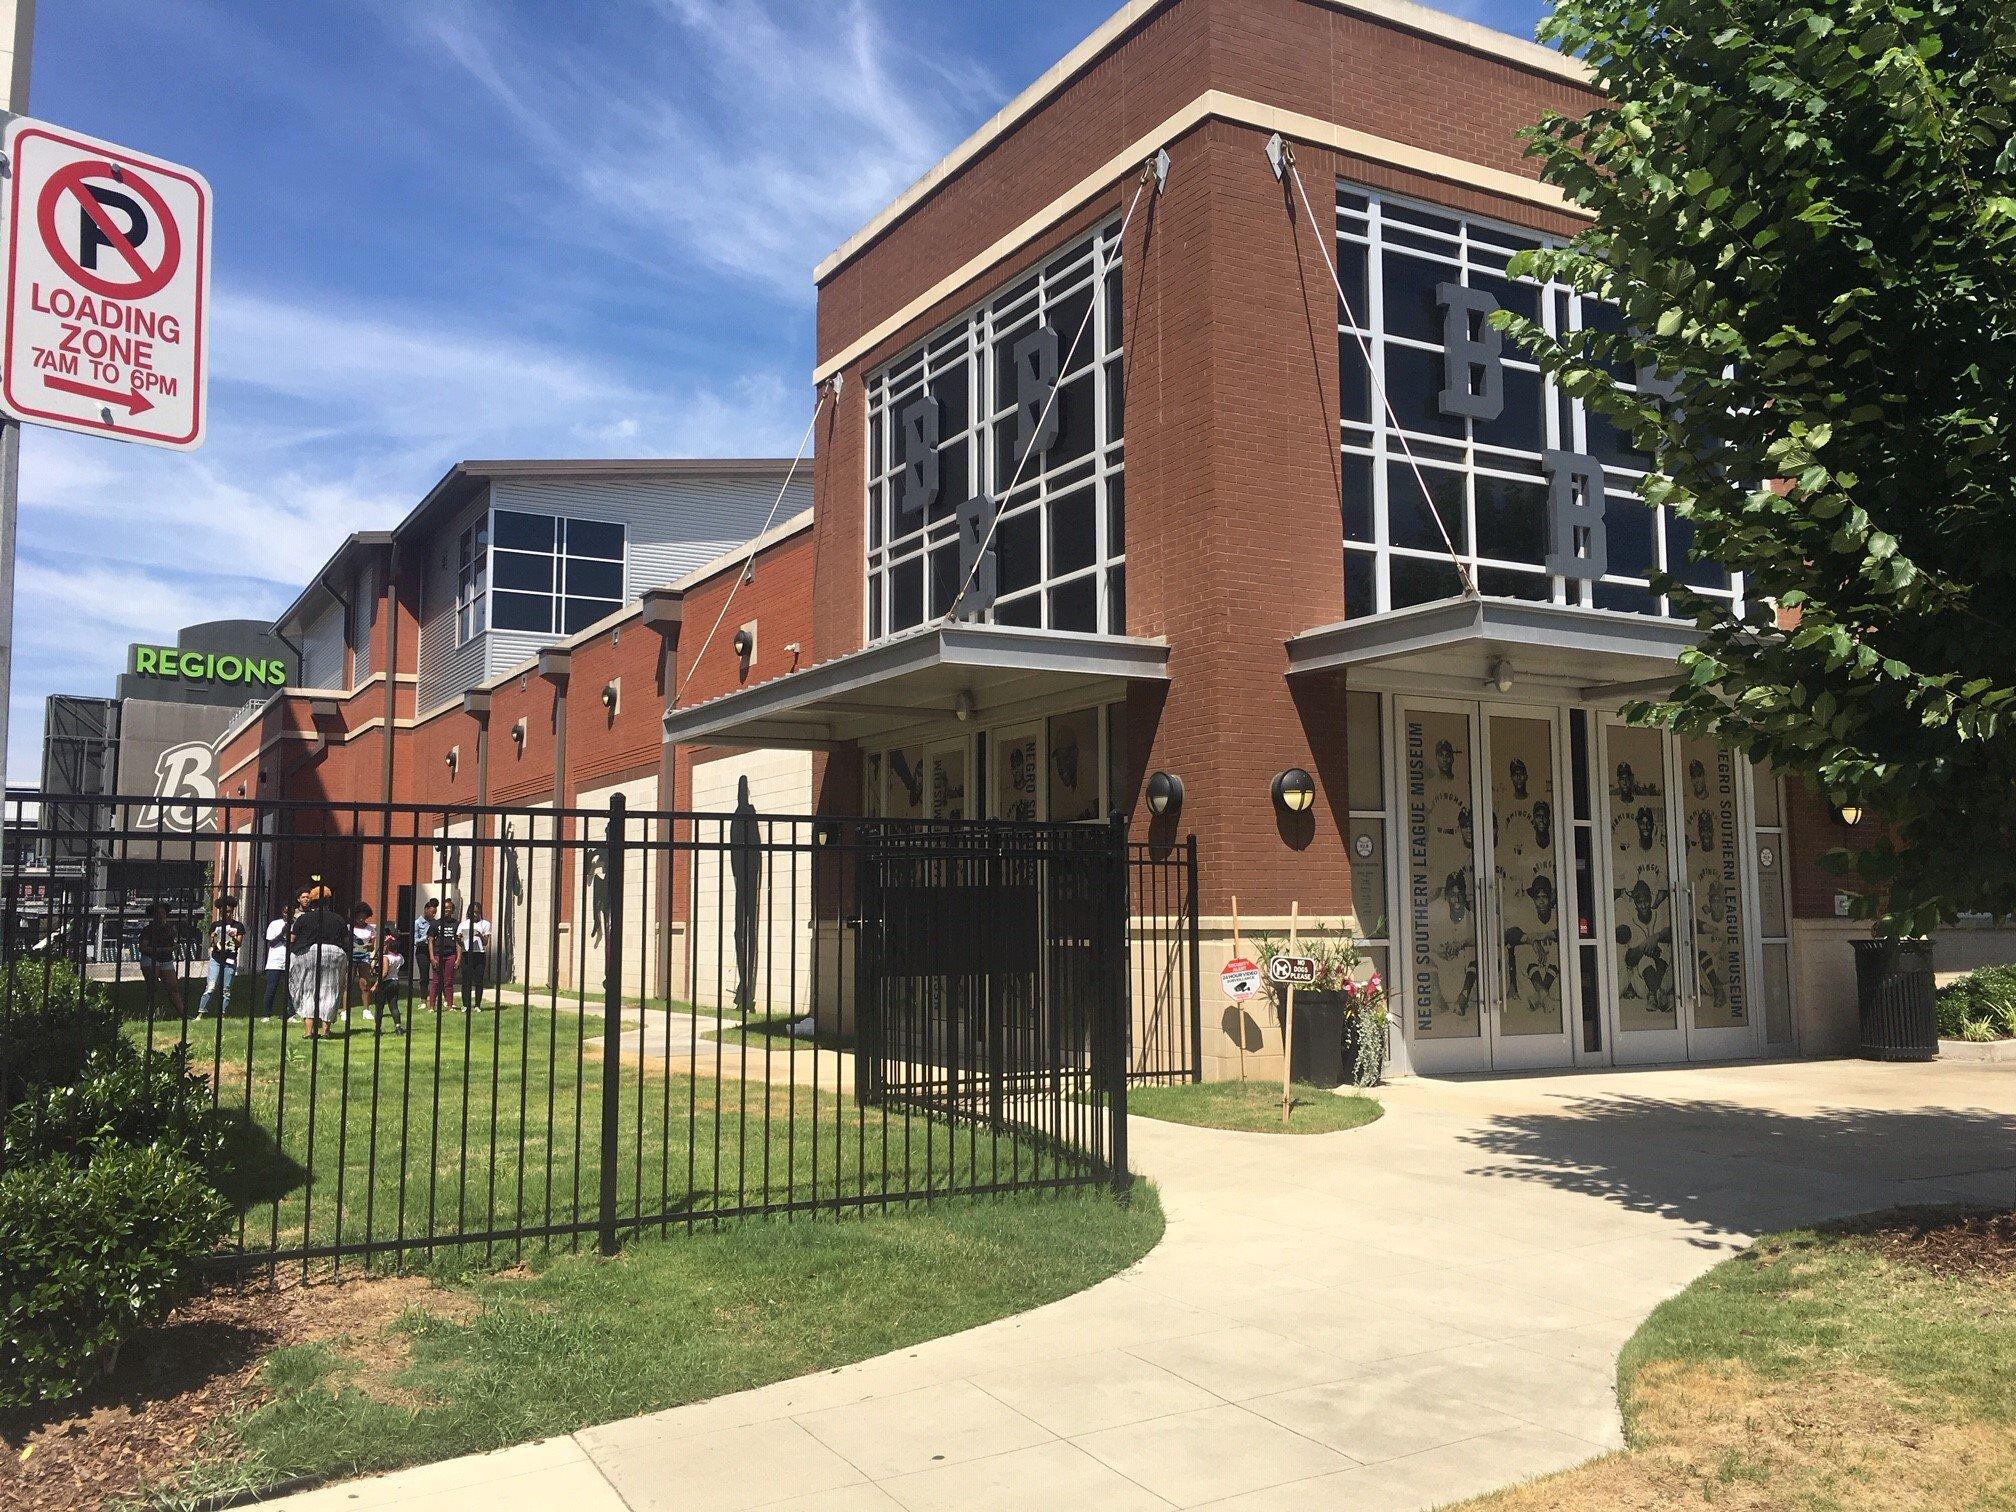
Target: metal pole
{"points": [[612, 1022], [17, 36]]}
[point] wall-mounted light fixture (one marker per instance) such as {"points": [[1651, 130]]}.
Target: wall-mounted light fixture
{"points": [[962, 705], [1849, 812], [518, 735], [453, 758], [1294, 791], [1164, 793], [611, 691], [1501, 675]]}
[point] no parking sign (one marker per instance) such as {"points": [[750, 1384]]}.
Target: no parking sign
{"points": [[106, 288]]}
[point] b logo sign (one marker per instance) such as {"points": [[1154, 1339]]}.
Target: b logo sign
{"points": [[107, 288], [184, 771]]}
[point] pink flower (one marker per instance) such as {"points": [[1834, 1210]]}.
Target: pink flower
{"points": [[1374, 985]]}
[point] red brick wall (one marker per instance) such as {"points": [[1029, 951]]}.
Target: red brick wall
{"points": [[778, 599]]}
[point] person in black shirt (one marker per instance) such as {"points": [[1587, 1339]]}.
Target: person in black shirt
{"points": [[318, 970], [159, 947]]}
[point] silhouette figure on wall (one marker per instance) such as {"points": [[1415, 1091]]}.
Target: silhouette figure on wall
{"points": [[745, 865], [511, 892]]}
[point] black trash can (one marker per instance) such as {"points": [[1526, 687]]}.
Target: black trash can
{"points": [[1900, 1011]]}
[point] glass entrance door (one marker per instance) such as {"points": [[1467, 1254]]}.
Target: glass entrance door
{"points": [[1523, 916], [1483, 987], [1723, 1023], [1672, 817], [1637, 830]]}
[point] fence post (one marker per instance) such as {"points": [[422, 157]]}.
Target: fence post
{"points": [[1119, 1005], [612, 1023], [1196, 967]]}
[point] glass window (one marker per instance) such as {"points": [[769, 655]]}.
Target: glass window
{"points": [[1486, 475], [1018, 773], [1074, 767], [1365, 775], [554, 575], [472, 582], [1051, 456]]}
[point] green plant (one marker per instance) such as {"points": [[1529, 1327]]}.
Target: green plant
{"points": [[122, 1097], [89, 1252], [52, 1023], [1803, 235], [1980, 1006], [1342, 968]]}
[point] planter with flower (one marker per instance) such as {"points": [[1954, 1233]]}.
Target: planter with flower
{"points": [[1341, 1021]]}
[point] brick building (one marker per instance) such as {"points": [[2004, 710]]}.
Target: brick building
{"points": [[1162, 449], [1162, 433], [512, 644]]}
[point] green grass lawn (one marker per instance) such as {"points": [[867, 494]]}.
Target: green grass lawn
{"points": [[1253, 1107], [476, 1124], [510, 1358], [1822, 1368]]}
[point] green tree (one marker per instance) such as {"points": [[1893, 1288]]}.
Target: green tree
{"points": [[1807, 217]]}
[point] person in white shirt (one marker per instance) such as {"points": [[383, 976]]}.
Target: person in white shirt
{"points": [[276, 961], [473, 934]]}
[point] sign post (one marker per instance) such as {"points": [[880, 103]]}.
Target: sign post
{"points": [[1241, 980], [1288, 1015], [104, 297], [17, 34]]}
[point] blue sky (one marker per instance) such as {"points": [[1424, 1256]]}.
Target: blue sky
{"points": [[476, 228]]}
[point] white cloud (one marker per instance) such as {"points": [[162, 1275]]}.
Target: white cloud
{"points": [[326, 419], [749, 137]]}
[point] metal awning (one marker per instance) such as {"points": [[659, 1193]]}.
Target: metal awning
{"points": [[923, 678], [1600, 653]]}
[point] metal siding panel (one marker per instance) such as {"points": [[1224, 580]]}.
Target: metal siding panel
{"points": [[671, 526], [447, 670], [322, 649]]}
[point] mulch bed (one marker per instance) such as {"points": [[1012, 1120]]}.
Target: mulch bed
{"points": [[1968, 1242], [171, 1386]]}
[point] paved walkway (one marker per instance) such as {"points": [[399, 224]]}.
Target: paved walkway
{"points": [[1389, 1318]]}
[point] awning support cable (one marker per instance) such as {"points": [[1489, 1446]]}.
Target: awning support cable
{"points": [[1155, 172], [1281, 156], [827, 390]]}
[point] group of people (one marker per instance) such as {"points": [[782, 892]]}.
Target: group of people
{"points": [[323, 962]]}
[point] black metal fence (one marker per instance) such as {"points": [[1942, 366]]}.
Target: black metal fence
{"points": [[559, 1027]]}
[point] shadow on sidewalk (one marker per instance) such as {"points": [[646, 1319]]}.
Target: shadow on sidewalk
{"points": [[1738, 1168]]}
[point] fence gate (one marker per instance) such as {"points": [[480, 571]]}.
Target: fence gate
{"points": [[991, 981]]}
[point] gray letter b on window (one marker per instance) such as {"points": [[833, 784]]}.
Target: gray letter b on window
{"points": [[1577, 548], [1473, 374]]}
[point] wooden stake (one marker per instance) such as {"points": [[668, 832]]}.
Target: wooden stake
{"points": [[1237, 951], [1288, 1014]]}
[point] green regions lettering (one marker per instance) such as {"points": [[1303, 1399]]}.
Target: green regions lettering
{"points": [[208, 666]]}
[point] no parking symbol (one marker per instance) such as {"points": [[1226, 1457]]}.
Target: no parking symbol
{"points": [[106, 289]]}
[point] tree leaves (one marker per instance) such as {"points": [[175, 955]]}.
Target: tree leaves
{"points": [[1807, 218]]}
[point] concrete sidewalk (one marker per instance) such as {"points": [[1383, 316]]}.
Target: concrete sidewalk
{"points": [[1393, 1317]]}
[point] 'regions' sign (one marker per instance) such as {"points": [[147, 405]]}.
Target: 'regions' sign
{"points": [[209, 666]]}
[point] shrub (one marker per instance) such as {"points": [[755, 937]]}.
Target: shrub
{"points": [[126, 1098], [52, 1023], [89, 1252], [1980, 1006]]}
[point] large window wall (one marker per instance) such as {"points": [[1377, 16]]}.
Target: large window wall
{"points": [[958, 419], [1537, 493], [1064, 766]]}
